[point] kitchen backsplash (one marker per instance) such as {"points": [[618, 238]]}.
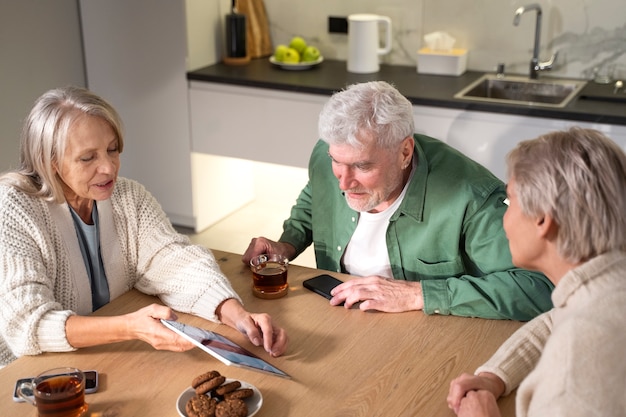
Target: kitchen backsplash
{"points": [[588, 34]]}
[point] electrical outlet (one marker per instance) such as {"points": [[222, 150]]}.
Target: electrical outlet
{"points": [[337, 24]]}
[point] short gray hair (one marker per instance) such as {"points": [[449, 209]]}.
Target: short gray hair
{"points": [[374, 108], [578, 177], [44, 138]]}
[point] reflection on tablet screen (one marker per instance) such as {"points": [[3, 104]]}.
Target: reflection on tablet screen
{"points": [[223, 348]]}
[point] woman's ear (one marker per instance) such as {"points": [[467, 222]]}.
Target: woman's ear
{"points": [[547, 228]]}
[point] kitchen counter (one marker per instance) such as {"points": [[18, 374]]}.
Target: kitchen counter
{"points": [[595, 103]]}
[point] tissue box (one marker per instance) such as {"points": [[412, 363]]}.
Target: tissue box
{"points": [[453, 62]]}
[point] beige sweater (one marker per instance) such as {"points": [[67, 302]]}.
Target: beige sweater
{"points": [[43, 279], [571, 360]]}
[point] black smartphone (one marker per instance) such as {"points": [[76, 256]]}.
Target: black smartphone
{"points": [[91, 385], [322, 284]]}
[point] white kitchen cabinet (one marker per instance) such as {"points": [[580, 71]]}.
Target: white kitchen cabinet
{"points": [[281, 127], [264, 125], [488, 137]]}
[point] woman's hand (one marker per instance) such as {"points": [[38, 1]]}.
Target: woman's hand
{"points": [[259, 328], [479, 404], [465, 384], [143, 324], [146, 325]]}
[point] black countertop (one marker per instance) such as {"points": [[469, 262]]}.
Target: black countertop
{"points": [[595, 103]]}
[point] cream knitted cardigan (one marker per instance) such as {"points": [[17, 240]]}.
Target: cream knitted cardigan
{"points": [[571, 360], [43, 277]]}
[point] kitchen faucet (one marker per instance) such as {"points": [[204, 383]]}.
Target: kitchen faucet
{"points": [[535, 65]]}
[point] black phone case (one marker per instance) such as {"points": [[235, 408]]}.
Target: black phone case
{"points": [[322, 284]]}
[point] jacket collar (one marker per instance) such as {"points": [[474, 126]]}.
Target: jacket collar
{"points": [[414, 200]]}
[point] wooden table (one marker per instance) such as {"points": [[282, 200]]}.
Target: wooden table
{"points": [[343, 362]]}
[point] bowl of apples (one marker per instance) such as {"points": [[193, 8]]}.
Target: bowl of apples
{"points": [[296, 56]]}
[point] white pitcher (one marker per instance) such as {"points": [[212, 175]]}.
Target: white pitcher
{"points": [[363, 43]]}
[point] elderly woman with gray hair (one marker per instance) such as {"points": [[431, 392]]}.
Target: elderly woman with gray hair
{"points": [[74, 235], [567, 219]]}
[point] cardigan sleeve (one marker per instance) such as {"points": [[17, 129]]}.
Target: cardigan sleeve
{"points": [[519, 355], [185, 276], [34, 302]]}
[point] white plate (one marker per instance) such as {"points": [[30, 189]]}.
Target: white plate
{"points": [[297, 66], [254, 403]]}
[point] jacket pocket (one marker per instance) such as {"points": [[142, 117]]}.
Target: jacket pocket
{"points": [[438, 270]]}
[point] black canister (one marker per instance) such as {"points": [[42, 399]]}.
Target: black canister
{"points": [[236, 35]]}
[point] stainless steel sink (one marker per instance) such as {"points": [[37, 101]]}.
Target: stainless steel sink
{"points": [[545, 92]]}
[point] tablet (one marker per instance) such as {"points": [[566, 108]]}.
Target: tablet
{"points": [[223, 349]]}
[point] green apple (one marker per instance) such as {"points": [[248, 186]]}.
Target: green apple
{"points": [[311, 54], [298, 43], [291, 56], [279, 52]]}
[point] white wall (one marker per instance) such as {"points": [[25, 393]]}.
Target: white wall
{"points": [[586, 32], [40, 48], [204, 33], [135, 54]]}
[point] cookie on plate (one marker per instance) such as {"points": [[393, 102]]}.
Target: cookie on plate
{"points": [[201, 406], [210, 384], [231, 408], [239, 393], [226, 388], [204, 378]]}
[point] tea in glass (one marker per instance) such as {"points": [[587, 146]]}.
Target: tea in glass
{"points": [[58, 392], [269, 276]]}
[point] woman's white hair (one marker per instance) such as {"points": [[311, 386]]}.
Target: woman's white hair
{"points": [[44, 138], [578, 177]]}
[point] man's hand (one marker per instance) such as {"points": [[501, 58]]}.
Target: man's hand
{"points": [[377, 293], [261, 245]]}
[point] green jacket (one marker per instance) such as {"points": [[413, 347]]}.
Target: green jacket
{"points": [[447, 233]]}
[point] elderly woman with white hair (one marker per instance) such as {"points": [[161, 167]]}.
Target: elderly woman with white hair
{"points": [[567, 219], [74, 235]]}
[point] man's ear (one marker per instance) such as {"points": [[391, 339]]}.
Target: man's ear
{"points": [[408, 145]]}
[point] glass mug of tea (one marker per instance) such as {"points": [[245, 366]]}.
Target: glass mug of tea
{"points": [[58, 392], [269, 276]]}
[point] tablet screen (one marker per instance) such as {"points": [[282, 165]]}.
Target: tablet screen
{"points": [[223, 348]]}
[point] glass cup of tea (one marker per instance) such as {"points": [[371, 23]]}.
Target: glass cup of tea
{"points": [[269, 276], [58, 392]]}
